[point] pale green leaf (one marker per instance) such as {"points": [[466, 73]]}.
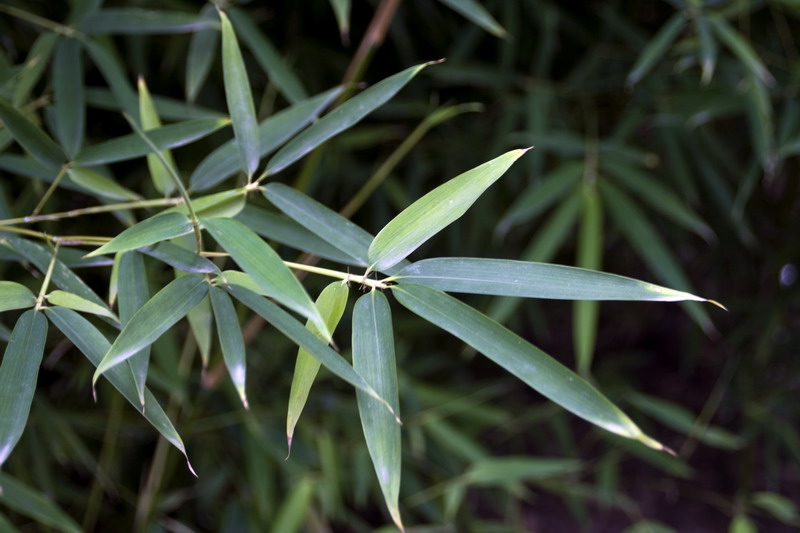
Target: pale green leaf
{"points": [[149, 231], [68, 95], [18, 374], [656, 49], [15, 296], [234, 277], [150, 121], [136, 21], [341, 118], [523, 360], [75, 302], [435, 211], [100, 185], [239, 98], [473, 11], [373, 358], [35, 141], [222, 204], [230, 340], [26, 501], [133, 294]]}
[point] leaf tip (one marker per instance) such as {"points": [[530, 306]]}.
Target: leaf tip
{"points": [[190, 467], [288, 446], [714, 302]]}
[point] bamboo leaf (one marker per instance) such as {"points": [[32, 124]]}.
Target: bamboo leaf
{"points": [[18, 374], [373, 358], [740, 48], [341, 118], [473, 11], [89, 341], [331, 304], [149, 231], [136, 21], [502, 471], [435, 211], [168, 108], [35, 63], [15, 296], [75, 302], [222, 204], [239, 98], [590, 256], [35, 141], [133, 294], [180, 258], [200, 319], [114, 74], [150, 120], [230, 340], [272, 132], [296, 508], [656, 49], [202, 51], [68, 95], [155, 317], [26, 501], [265, 266], [132, 145], [534, 367], [100, 185], [708, 48], [341, 9]]}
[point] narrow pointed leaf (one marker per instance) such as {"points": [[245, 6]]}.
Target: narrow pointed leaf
{"points": [[75, 302], [200, 319], [265, 266], [132, 146], [202, 51], [149, 231], [656, 49], [136, 21], [741, 48], [100, 185], [239, 98], [26, 501], [133, 294], [341, 8], [150, 120], [35, 63], [296, 509], [89, 341], [18, 374], [373, 358], [341, 118], [114, 74], [222, 204], [523, 360], [708, 48], [590, 254], [230, 340], [234, 277], [330, 303], [473, 11], [35, 141], [68, 95], [223, 162], [168, 108], [155, 317], [435, 211], [180, 258], [15, 296], [502, 471]]}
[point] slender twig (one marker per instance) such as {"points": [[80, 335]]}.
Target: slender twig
{"points": [[345, 276], [93, 210], [43, 22], [47, 276], [64, 240], [50, 190]]}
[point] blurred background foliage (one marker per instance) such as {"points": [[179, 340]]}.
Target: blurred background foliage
{"points": [[666, 136]]}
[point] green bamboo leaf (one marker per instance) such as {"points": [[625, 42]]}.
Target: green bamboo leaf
{"points": [[35, 141], [234, 277], [149, 231], [276, 227], [26, 501], [155, 317], [133, 294], [168, 108], [740, 48], [272, 132], [330, 303], [150, 121], [298, 334], [132, 146], [35, 63], [435, 211], [296, 508], [265, 266], [100, 185], [94, 346], [590, 256], [239, 98], [222, 204], [202, 51], [708, 48], [75, 302], [656, 49], [341, 9], [329, 225], [136, 21], [31, 168], [534, 367], [109, 65], [778, 505], [268, 57], [15, 296], [230, 340], [502, 471], [68, 95], [18, 374], [342, 118], [180, 258], [477, 14], [373, 358], [200, 318], [742, 524]]}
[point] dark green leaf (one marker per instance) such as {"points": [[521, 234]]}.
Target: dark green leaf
{"points": [[502, 471], [656, 49], [477, 14], [114, 74], [149, 231], [230, 340], [28, 502], [202, 51], [150, 121], [180, 258], [741, 48], [133, 294], [132, 20], [35, 141], [68, 95], [35, 63]]}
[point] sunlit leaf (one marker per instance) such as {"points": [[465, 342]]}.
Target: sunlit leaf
{"points": [[133, 20], [68, 95], [15, 296], [435, 211], [149, 231], [222, 204], [35, 141], [477, 14], [75, 302], [26, 501], [100, 185], [656, 49]]}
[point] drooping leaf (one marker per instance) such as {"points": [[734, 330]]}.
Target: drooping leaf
{"points": [[18, 374], [155, 317], [223, 162], [341, 118], [473, 11], [136, 21], [68, 95], [150, 121], [590, 255], [75, 302], [230, 340], [180, 258], [134, 292], [149, 231], [202, 51], [100, 185], [239, 98], [656, 49], [15, 296], [26, 501], [521, 359], [435, 211], [35, 141], [373, 358], [331, 304], [265, 266]]}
